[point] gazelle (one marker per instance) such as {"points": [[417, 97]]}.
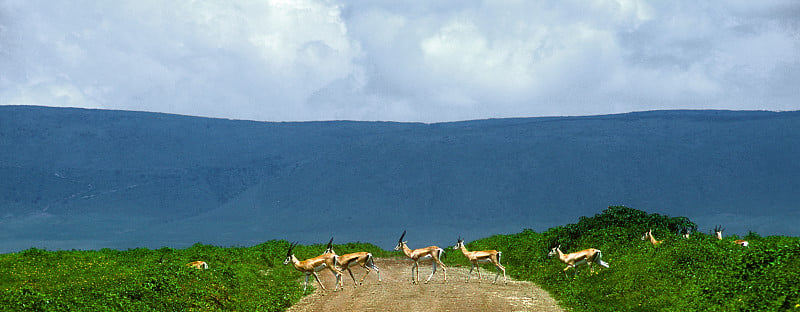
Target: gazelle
{"points": [[649, 235], [572, 260], [200, 265], [718, 230], [430, 252], [484, 256], [363, 258], [314, 265]]}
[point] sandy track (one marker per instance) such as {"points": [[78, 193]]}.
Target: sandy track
{"points": [[396, 293]]}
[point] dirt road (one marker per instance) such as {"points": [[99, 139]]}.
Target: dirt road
{"points": [[396, 293]]}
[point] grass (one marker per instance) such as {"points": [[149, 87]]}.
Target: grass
{"points": [[238, 278], [701, 273]]}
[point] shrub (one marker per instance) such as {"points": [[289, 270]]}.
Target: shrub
{"points": [[140, 279], [701, 273]]}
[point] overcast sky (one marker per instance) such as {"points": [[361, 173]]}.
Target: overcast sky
{"points": [[400, 60]]}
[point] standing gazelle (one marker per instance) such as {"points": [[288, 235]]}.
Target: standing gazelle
{"points": [[314, 265], [484, 256], [363, 258], [649, 235], [572, 260], [430, 252]]}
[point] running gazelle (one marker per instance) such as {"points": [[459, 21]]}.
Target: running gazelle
{"points": [[479, 257], [362, 258], [572, 260], [649, 235], [313, 265], [430, 252]]}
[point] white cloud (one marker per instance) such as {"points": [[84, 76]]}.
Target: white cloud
{"points": [[408, 61], [251, 60]]}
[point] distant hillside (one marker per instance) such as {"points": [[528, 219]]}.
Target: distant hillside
{"points": [[76, 178]]}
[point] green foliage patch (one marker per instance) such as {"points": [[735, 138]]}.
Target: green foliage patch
{"points": [[238, 278], [700, 273]]}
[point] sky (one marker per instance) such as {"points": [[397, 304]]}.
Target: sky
{"points": [[415, 61]]}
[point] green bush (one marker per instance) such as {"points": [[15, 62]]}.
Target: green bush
{"points": [[701, 273], [238, 279]]}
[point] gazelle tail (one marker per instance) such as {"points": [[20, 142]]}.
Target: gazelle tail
{"points": [[600, 259]]}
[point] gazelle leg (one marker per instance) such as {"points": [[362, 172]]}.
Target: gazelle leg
{"points": [[417, 273], [413, 269], [479, 272], [432, 273], [339, 282], [377, 271], [500, 268], [444, 268], [361, 281], [317, 278], [470, 273], [353, 277]]}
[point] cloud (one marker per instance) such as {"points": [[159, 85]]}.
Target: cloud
{"points": [[251, 60], [406, 61]]}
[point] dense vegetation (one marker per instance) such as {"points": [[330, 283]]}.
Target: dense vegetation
{"points": [[238, 278], [700, 273]]}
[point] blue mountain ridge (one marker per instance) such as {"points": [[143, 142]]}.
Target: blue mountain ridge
{"points": [[87, 179]]}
